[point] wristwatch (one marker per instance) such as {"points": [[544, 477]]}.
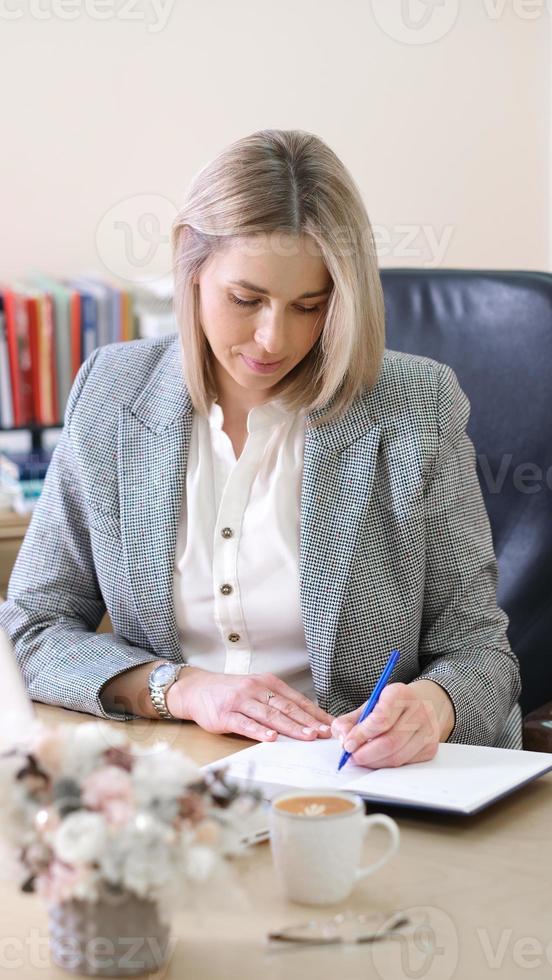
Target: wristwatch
{"points": [[159, 681]]}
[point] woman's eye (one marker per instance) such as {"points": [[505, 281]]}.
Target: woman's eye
{"points": [[244, 302], [253, 302]]}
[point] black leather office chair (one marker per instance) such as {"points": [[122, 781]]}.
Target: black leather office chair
{"points": [[495, 330]]}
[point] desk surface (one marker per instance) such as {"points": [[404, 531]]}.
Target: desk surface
{"points": [[485, 882]]}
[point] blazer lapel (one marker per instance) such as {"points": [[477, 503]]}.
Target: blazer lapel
{"points": [[338, 476], [153, 444]]}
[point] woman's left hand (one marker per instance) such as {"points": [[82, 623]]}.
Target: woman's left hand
{"points": [[406, 726]]}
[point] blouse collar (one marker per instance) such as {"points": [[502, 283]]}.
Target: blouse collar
{"points": [[268, 415]]}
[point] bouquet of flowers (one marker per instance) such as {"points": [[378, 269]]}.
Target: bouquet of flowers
{"points": [[83, 809]]}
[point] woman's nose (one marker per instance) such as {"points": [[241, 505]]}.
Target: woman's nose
{"points": [[271, 333]]}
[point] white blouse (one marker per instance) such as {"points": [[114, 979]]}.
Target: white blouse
{"points": [[236, 575]]}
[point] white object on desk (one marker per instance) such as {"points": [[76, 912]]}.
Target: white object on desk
{"points": [[460, 778], [17, 718], [317, 857]]}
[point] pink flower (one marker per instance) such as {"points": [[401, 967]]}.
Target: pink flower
{"points": [[58, 883], [47, 748], [109, 790]]}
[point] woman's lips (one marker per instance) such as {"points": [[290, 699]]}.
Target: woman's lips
{"points": [[261, 368]]}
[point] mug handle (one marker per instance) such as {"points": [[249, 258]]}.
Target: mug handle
{"points": [[384, 821]]}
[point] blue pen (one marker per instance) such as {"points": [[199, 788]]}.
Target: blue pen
{"points": [[371, 704]]}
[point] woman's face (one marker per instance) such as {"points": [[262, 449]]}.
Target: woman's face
{"points": [[271, 319]]}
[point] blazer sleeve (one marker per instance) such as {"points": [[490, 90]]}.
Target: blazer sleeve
{"points": [[54, 603], [463, 642]]}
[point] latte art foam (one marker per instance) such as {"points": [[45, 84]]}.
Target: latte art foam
{"points": [[315, 806]]}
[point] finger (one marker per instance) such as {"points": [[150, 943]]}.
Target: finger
{"points": [[315, 712], [236, 722], [298, 714], [271, 717], [342, 725], [395, 706], [392, 750]]}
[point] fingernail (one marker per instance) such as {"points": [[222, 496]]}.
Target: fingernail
{"points": [[307, 731], [324, 728], [269, 732], [350, 745]]}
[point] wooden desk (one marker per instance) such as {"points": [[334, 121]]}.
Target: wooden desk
{"points": [[485, 882]]}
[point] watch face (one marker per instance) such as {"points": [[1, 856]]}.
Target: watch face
{"points": [[162, 674]]}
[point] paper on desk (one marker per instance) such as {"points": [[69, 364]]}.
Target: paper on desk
{"points": [[460, 778]]}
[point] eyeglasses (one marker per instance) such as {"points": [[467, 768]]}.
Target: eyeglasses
{"points": [[358, 927]]}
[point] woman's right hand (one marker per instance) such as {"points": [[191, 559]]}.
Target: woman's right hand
{"points": [[237, 703]]}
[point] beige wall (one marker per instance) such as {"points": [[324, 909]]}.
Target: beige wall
{"points": [[445, 125]]}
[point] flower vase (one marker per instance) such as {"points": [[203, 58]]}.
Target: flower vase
{"points": [[120, 935]]}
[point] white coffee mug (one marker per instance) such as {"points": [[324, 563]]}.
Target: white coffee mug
{"points": [[317, 852]]}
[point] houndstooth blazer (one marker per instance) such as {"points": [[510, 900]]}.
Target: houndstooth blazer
{"points": [[395, 544]]}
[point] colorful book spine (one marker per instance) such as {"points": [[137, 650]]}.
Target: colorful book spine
{"points": [[19, 354], [49, 326]]}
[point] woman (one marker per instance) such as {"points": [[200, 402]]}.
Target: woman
{"points": [[268, 502]]}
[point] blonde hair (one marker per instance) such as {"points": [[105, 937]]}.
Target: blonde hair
{"points": [[289, 181]]}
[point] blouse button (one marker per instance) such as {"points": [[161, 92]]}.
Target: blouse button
{"points": [[226, 589], [227, 532], [234, 637]]}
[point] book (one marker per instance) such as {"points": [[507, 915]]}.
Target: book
{"points": [[109, 307], [6, 404], [88, 317], [64, 313], [461, 779], [17, 331]]}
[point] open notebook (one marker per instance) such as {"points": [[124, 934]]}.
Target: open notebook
{"points": [[460, 778]]}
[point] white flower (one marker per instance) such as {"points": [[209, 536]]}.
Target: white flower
{"points": [[162, 774], [200, 862], [144, 859], [81, 837], [84, 746]]}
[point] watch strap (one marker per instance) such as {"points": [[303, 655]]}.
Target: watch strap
{"points": [[158, 691]]}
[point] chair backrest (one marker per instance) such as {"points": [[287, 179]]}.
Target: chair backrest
{"points": [[495, 330]]}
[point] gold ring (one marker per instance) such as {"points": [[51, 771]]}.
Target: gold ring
{"points": [[268, 696]]}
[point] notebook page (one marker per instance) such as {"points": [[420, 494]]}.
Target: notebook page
{"points": [[461, 778]]}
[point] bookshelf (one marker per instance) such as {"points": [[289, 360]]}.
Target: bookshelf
{"points": [[36, 432]]}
